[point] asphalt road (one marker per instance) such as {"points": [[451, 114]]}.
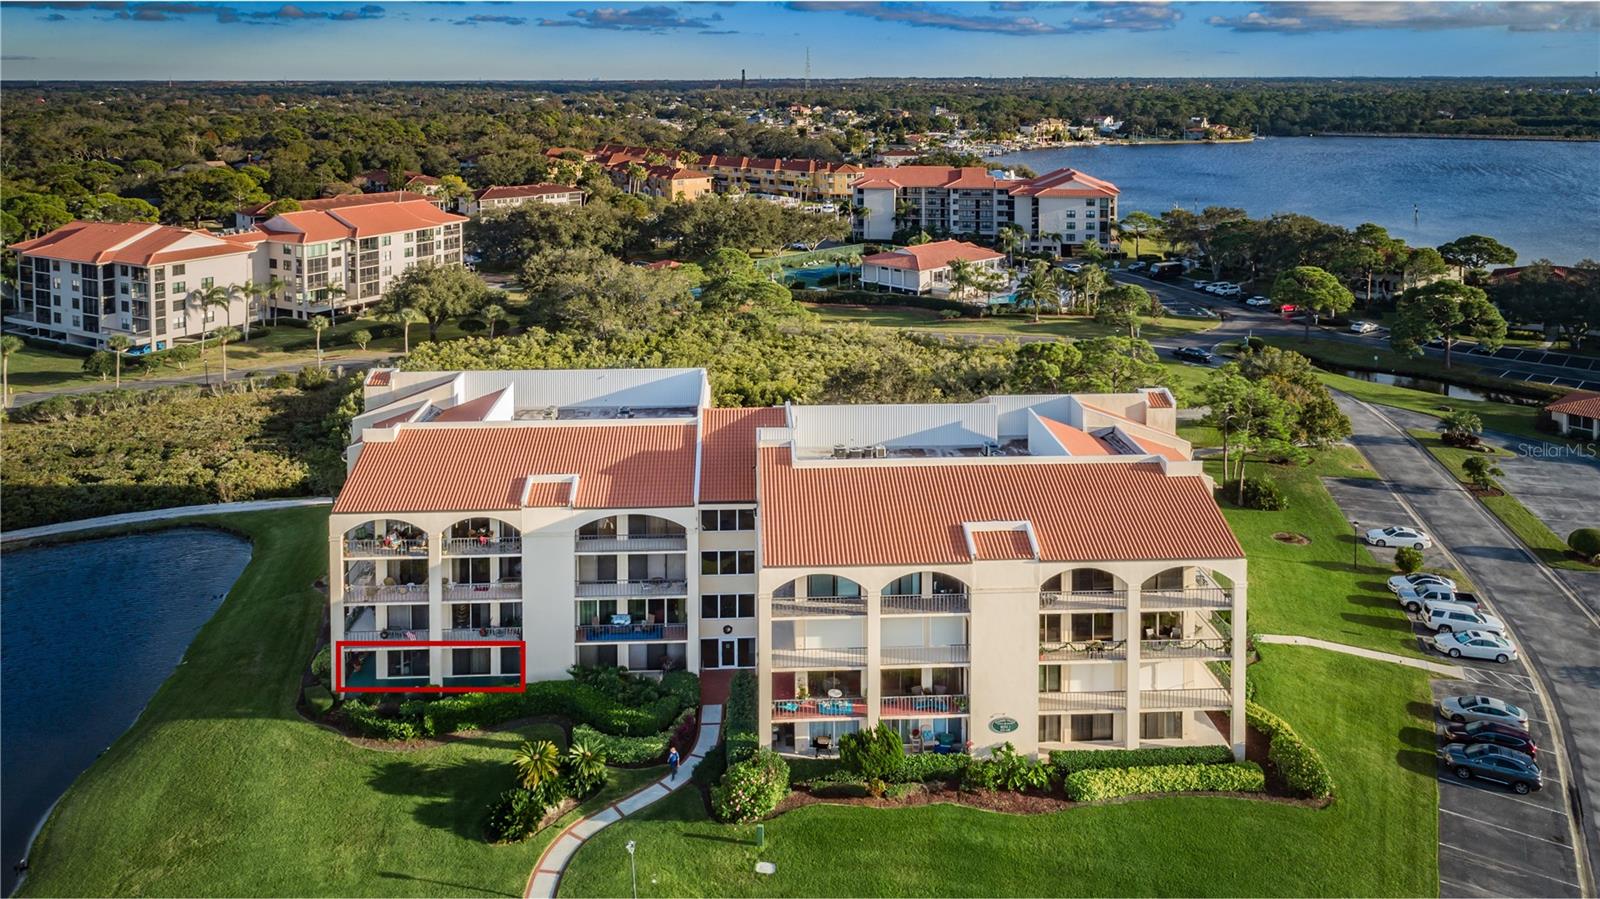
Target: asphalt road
{"points": [[1558, 634]]}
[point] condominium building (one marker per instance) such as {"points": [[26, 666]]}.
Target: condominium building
{"points": [[248, 217], [925, 268], [86, 282], [1057, 210], [510, 197], [1045, 570], [799, 179]]}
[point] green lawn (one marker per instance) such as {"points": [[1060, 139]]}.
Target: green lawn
{"points": [[1379, 838], [1551, 549], [1507, 418], [221, 789], [1006, 325]]}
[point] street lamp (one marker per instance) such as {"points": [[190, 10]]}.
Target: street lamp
{"points": [[1355, 542], [633, 871]]}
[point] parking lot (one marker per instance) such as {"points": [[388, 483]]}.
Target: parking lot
{"points": [[1370, 503]]}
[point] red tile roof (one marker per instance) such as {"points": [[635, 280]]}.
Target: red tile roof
{"points": [[1578, 402], [1003, 545], [845, 515], [429, 469], [728, 452], [471, 410], [133, 243], [1157, 399], [1166, 451], [938, 254], [549, 494], [315, 226], [323, 204], [523, 190], [1065, 183], [930, 176], [1077, 441]]}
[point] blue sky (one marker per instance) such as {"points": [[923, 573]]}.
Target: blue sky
{"points": [[227, 40]]}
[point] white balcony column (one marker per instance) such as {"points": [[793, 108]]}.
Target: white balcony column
{"points": [[872, 677], [1236, 671], [764, 646], [1134, 633], [438, 611]]}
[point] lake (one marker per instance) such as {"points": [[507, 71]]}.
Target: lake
{"points": [[92, 629], [1541, 198]]}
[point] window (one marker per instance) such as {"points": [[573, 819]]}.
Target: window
{"points": [[1091, 626], [905, 585], [205, 283], [510, 660], [831, 585], [1088, 728], [408, 618], [1092, 580], [728, 605], [1049, 628], [1049, 678], [741, 561], [1049, 728], [728, 520], [408, 663], [1160, 725], [178, 270], [387, 239], [177, 287], [470, 661]]}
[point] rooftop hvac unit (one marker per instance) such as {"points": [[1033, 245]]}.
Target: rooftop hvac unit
{"points": [[880, 452], [991, 449], [840, 451], [624, 412]]}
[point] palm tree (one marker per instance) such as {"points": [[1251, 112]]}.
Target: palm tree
{"points": [[119, 344], [255, 294], [963, 278], [405, 316], [319, 323], [9, 344], [636, 176], [224, 335], [490, 314], [1010, 238], [1038, 286], [536, 763], [204, 300], [334, 292], [276, 289]]}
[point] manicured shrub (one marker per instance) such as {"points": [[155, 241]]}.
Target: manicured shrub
{"points": [[1585, 542], [514, 816], [684, 686], [1066, 761], [1408, 559], [624, 751], [1094, 784], [322, 665], [751, 789], [319, 699], [874, 753], [380, 723], [711, 768], [884, 298], [1259, 493], [1005, 769], [739, 720], [1302, 767], [926, 766], [685, 731]]}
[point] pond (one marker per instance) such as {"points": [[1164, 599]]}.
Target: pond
{"points": [[1429, 385], [92, 630]]}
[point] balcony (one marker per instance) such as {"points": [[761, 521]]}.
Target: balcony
{"points": [[649, 587], [389, 634], [385, 593], [632, 543], [385, 548], [845, 657], [1203, 698], [624, 633], [1083, 601], [482, 546], [813, 709], [921, 706], [1217, 648], [952, 654], [1097, 701], [937, 604], [483, 592], [483, 633], [1085, 651], [1188, 598], [818, 606]]}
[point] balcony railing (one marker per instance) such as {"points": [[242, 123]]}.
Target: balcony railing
{"points": [[1203, 698], [1188, 598], [956, 654], [513, 632], [937, 604], [483, 592], [621, 633], [917, 706], [1086, 650], [482, 546], [648, 587], [846, 657], [801, 709], [380, 593], [388, 634], [1200, 648], [631, 543], [386, 547], [817, 606], [1083, 600], [1096, 701]]}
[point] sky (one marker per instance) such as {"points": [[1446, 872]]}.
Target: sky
{"points": [[387, 40]]}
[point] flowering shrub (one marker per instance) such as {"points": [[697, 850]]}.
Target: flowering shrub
{"points": [[751, 789]]}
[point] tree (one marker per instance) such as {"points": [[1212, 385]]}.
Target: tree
{"points": [[1124, 303], [206, 299], [1445, 310], [439, 293], [277, 289], [1045, 366], [9, 344], [964, 279], [1314, 290], [490, 314], [404, 317], [1421, 263], [1481, 472], [1476, 251], [1088, 284], [224, 336], [1040, 286], [361, 337], [319, 323], [1408, 559], [1314, 418], [119, 344], [1363, 251], [1139, 225], [536, 762], [1461, 428], [1008, 239], [255, 302], [1251, 418], [1197, 230]]}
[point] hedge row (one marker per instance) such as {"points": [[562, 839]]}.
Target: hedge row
{"points": [[885, 298], [911, 769], [739, 719], [621, 750], [1304, 771], [1066, 761], [1090, 785]]}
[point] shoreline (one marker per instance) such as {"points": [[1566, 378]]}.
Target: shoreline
{"points": [[1423, 135], [1396, 135]]}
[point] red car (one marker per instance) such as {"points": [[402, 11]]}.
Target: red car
{"points": [[1494, 734]]}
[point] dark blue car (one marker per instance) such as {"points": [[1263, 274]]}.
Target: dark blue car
{"points": [[1495, 763]]}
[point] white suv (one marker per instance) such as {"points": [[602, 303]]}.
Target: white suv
{"points": [[1445, 617], [1227, 290]]}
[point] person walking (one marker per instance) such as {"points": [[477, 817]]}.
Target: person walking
{"points": [[672, 761]]}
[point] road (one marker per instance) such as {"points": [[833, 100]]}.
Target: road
{"points": [[1559, 635]]}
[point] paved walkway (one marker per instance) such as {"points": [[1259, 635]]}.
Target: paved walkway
{"points": [[547, 873], [1432, 667], [111, 521]]}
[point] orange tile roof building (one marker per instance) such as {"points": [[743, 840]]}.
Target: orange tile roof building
{"points": [[510, 197], [926, 268], [1577, 414], [1057, 210], [800, 179], [873, 563]]}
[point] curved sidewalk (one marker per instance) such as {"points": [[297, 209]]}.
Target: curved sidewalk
{"points": [[111, 521], [553, 862], [1424, 664]]}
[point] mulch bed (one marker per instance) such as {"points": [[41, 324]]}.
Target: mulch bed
{"points": [[1295, 539]]}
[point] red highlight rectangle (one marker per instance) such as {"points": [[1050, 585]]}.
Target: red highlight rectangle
{"points": [[338, 666]]}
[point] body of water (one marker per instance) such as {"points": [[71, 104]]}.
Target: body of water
{"points": [[1542, 198], [91, 630]]}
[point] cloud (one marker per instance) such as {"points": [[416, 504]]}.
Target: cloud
{"points": [[920, 16], [1127, 15], [492, 20], [179, 11], [14, 57], [1308, 17], [659, 19], [53, 17]]}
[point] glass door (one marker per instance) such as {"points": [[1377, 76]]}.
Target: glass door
{"points": [[727, 655]]}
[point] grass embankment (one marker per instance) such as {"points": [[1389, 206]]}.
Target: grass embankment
{"points": [[222, 789], [1370, 719], [1551, 549], [1010, 325], [1507, 418]]}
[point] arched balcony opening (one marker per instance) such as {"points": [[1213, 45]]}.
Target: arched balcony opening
{"points": [[385, 561], [1084, 588], [482, 536], [385, 537], [1187, 587], [926, 593], [631, 534], [819, 596]]}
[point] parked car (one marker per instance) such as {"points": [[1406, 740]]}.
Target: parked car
{"points": [[1478, 707], [1073, 267], [1419, 580], [1411, 599], [1399, 536], [1201, 285], [1136, 266], [1193, 354], [1445, 617], [1258, 301], [1474, 645], [1495, 763], [1507, 735], [1227, 290], [1363, 327]]}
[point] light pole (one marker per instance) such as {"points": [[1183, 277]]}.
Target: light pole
{"points": [[633, 871], [1355, 542]]}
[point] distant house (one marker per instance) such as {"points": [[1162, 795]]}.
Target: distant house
{"points": [[925, 268], [892, 158], [379, 180], [1577, 414], [250, 216], [1201, 128], [492, 197]]}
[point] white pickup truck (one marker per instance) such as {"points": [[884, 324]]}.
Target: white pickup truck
{"points": [[1411, 599]]}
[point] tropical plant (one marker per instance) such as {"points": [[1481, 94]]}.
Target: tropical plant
{"points": [[405, 317], [536, 762], [224, 335], [276, 289], [9, 344], [1461, 428], [1040, 286], [1010, 238], [319, 323], [1481, 471], [491, 313], [584, 769], [119, 344], [206, 299], [361, 337]]}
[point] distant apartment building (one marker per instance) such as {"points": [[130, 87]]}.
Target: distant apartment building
{"points": [[1057, 210], [88, 281], [800, 179], [925, 268], [492, 198], [379, 180], [1049, 571], [248, 217]]}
